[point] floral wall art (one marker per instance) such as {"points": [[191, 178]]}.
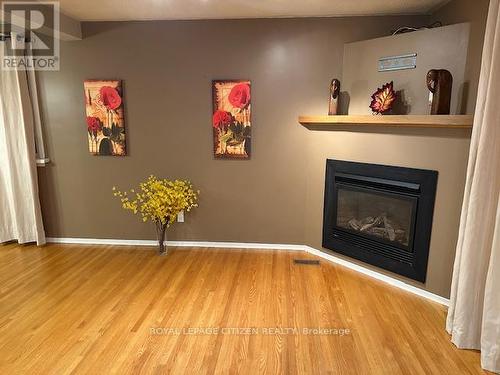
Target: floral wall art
{"points": [[105, 122], [231, 121]]}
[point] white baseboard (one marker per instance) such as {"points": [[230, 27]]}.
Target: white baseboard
{"points": [[225, 245], [100, 241], [264, 246]]}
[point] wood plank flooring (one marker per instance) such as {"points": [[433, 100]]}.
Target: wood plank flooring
{"points": [[121, 310]]}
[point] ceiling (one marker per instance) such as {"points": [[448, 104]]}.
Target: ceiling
{"points": [[121, 10]]}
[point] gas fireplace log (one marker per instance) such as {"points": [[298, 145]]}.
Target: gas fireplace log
{"points": [[367, 220], [354, 224], [379, 226], [390, 230], [379, 231], [401, 236], [400, 232], [377, 221]]}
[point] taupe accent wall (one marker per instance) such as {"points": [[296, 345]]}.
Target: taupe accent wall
{"points": [[475, 12], [276, 197], [437, 48]]}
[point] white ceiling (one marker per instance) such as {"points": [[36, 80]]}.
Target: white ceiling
{"points": [[120, 10]]}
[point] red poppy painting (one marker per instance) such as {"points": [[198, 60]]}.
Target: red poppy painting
{"points": [[231, 119], [105, 123]]}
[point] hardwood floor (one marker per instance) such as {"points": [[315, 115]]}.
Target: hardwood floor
{"points": [[109, 309]]}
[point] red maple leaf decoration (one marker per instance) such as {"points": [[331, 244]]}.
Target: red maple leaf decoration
{"points": [[383, 98]]}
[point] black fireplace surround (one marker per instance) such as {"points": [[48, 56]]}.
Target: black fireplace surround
{"points": [[381, 215]]}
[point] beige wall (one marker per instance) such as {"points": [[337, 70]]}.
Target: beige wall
{"points": [[475, 12], [275, 197], [167, 68], [437, 48], [441, 150]]}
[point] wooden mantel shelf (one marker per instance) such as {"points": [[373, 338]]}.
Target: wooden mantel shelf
{"points": [[403, 121]]}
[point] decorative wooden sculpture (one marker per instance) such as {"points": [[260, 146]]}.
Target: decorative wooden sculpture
{"points": [[334, 96], [439, 83]]}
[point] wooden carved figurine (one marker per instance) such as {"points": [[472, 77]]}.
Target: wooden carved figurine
{"points": [[439, 83], [334, 96]]}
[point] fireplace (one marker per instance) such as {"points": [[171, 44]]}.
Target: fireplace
{"points": [[379, 214]]}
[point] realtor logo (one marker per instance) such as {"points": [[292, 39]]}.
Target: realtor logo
{"points": [[30, 31]]}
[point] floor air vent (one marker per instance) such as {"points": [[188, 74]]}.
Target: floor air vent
{"points": [[309, 262]]}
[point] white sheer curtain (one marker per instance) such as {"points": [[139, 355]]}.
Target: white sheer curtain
{"points": [[474, 313], [20, 214]]}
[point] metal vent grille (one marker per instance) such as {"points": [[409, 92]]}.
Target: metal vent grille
{"points": [[309, 262]]}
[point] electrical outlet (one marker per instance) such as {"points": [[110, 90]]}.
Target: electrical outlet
{"points": [[180, 217]]}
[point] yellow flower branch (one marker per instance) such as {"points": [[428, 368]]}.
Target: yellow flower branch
{"points": [[159, 200]]}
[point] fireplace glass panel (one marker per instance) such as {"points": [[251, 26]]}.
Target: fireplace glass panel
{"points": [[375, 214]]}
